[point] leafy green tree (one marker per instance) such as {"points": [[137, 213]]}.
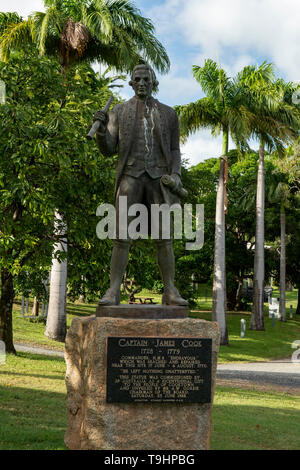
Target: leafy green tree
{"points": [[109, 31], [47, 164]]}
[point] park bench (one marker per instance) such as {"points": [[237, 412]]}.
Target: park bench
{"points": [[142, 300]]}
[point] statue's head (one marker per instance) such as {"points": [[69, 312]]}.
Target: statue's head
{"points": [[143, 80]]}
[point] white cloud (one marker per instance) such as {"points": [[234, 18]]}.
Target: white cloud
{"points": [[177, 88], [236, 28], [235, 33], [23, 7], [201, 146]]}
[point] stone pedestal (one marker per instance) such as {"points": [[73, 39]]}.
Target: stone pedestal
{"points": [[142, 311], [95, 424]]}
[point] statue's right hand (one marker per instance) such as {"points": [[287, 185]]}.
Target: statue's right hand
{"points": [[101, 116]]}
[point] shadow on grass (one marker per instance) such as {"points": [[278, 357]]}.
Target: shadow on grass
{"points": [[81, 310], [254, 421], [32, 419], [24, 374], [37, 420], [39, 357]]}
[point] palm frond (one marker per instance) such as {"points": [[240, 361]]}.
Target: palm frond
{"points": [[153, 52], [110, 80], [15, 36], [247, 201], [214, 81], [98, 20], [125, 14], [128, 18], [9, 18], [194, 116], [47, 24], [207, 77], [252, 75], [274, 119]]}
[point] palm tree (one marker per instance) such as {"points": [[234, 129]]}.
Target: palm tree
{"points": [[108, 31], [112, 32], [222, 110], [275, 123]]}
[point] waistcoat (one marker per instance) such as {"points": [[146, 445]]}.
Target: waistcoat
{"points": [[146, 155]]}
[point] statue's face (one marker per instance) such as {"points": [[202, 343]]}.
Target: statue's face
{"points": [[142, 83]]}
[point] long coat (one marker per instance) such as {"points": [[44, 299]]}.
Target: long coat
{"points": [[120, 133]]}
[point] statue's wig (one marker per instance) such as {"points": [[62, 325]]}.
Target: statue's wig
{"points": [[152, 74]]}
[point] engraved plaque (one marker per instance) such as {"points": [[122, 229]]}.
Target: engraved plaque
{"points": [[171, 370]]}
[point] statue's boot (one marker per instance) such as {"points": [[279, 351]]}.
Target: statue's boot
{"points": [[111, 297], [166, 263], [172, 297], [119, 260]]}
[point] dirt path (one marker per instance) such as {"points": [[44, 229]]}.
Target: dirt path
{"points": [[258, 386], [282, 376], [278, 376], [22, 347]]}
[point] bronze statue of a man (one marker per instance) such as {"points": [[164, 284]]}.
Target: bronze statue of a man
{"points": [[145, 133]]}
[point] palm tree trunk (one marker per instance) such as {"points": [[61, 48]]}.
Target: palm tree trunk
{"points": [[219, 282], [257, 317], [56, 318], [282, 264], [6, 307]]}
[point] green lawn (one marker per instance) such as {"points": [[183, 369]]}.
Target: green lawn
{"points": [[250, 420], [33, 410], [274, 343], [33, 393], [32, 332], [32, 402]]}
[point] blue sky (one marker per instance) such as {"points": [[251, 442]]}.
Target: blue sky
{"points": [[233, 32]]}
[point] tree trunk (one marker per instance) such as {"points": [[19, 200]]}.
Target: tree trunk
{"points": [[219, 282], [289, 286], [6, 308], [36, 307], [282, 265], [257, 317], [56, 318]]}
